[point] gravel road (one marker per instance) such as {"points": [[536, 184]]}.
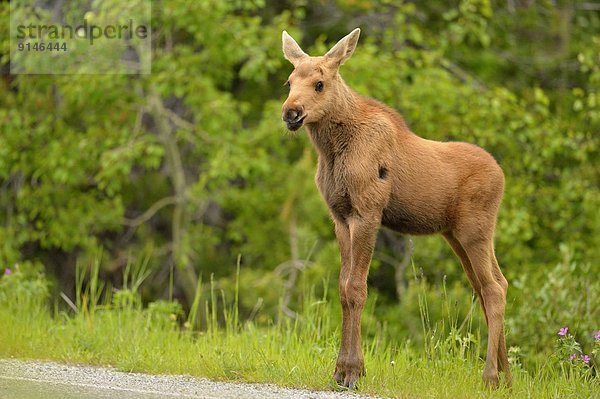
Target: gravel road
{"points": [[43, 380]]}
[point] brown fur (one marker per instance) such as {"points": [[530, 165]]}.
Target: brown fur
{"points": [[373, 170]]}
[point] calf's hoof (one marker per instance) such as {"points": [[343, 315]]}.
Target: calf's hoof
{"points": [[347, 375], [508, 379], [491, 379]]}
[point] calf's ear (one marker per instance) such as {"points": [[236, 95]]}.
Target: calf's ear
{"points": [[291, 50], [343, 49]]}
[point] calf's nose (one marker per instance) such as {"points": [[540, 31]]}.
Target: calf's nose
{"points": [[292, 114]]}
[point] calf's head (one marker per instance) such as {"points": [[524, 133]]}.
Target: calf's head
{"points": [[315, 85]]}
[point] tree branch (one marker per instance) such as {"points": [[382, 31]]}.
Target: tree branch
{"points": [[185, 273], [150, 212]]}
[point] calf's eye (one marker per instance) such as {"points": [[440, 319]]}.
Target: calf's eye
{"points": [[319, 86]]}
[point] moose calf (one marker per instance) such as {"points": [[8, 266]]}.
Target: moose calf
{"points": [[373, 170]]}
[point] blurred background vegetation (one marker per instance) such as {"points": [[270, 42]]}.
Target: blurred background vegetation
{"points": [[191, 167]]}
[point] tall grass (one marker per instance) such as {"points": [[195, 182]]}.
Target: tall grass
{"points": [[106, 328]]}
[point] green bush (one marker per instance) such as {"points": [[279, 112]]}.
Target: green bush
{"points": [[23, 287], [543, 302]]}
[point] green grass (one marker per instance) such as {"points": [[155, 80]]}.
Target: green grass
{"points": [[293, 353]]}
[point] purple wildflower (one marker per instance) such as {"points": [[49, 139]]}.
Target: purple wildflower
{"points": [[585, 359], [573, 357], [7, 272], [597, 335], [563, 331]]}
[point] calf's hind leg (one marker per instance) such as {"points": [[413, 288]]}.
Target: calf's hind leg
{"points": [[503, 364], [466, 263], [493, 292]]}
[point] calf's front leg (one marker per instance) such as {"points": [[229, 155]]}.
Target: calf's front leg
{"points": [[356, 237]]}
